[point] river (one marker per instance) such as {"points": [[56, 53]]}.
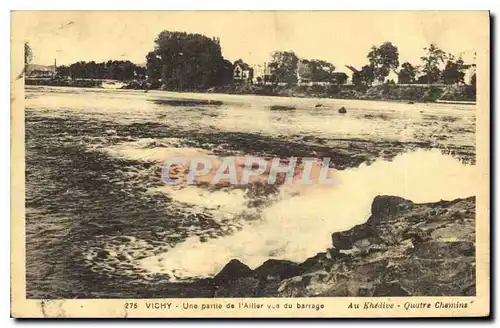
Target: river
{"points": [[101, 223]]}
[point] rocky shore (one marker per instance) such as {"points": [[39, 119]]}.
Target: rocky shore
{"points": [[403, 249], [419, 93]]}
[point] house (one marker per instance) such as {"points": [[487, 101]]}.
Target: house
{"points": [[242, 72], [470, 71], [351, 70], [40, 71], [303, 72], [393, 76], [262, 73]]}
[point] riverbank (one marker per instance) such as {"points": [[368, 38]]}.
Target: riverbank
{"points": [[387, 92], [463, 94], [403, 249]]}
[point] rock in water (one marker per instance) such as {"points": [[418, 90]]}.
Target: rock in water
{"points": [[281, 107], [236, 280], [243, 287], [233, 270], [277, 270], [403, 249], [342, 110], [387, 206]]}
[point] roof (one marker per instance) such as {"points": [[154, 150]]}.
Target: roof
{"points": [[354, 70], [42, 68]]}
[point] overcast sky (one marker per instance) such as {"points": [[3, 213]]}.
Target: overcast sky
{"points": [[342, 38]]}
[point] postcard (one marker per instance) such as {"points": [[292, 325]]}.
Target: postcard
{"points": [[250, 164]]}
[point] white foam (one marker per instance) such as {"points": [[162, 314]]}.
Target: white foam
{"points": [[223, 205], [296, 228], [153, 150]]}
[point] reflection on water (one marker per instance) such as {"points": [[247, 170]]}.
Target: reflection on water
{"points": [[239, 113], [100, 223]]}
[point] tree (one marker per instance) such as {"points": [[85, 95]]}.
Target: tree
{"points": [[28, 54], [435, 56], [112, 69], [186, 61], [62, 71], [407, 73], [454, 71], [319, 71], [225, 73], [284, 66], [383, 59], [28, 58], [339, 78], [365, 77]]}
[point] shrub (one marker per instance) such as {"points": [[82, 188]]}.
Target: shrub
{"points": [[317, 89]]}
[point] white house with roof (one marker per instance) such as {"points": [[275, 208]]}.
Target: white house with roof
{"points": [[40, 71], [470, 70], [242, 71]]}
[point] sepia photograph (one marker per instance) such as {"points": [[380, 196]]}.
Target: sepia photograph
{"points": [[230, 160]]}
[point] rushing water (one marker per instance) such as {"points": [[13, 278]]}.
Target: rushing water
{"points": [[100, 223]]}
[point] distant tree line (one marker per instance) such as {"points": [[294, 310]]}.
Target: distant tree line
{"points": [[436, 67], [285, 64], [112, 69], [185, 61]]}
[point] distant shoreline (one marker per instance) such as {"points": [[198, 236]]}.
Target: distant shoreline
{"points": [[449, 94]]}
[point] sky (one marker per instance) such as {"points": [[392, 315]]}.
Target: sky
{"points": [[342, 38]]}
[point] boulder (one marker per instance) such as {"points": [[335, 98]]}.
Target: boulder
{"points": [[403, 249], [444, 250], [277, 270], [242, 287], [318, 262], [232, 271], [391, 289], [388, 206], [342, 110], [110, 132]]}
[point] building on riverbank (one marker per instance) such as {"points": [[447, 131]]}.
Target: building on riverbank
{"points": [[242, 72], [40, 71]]}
